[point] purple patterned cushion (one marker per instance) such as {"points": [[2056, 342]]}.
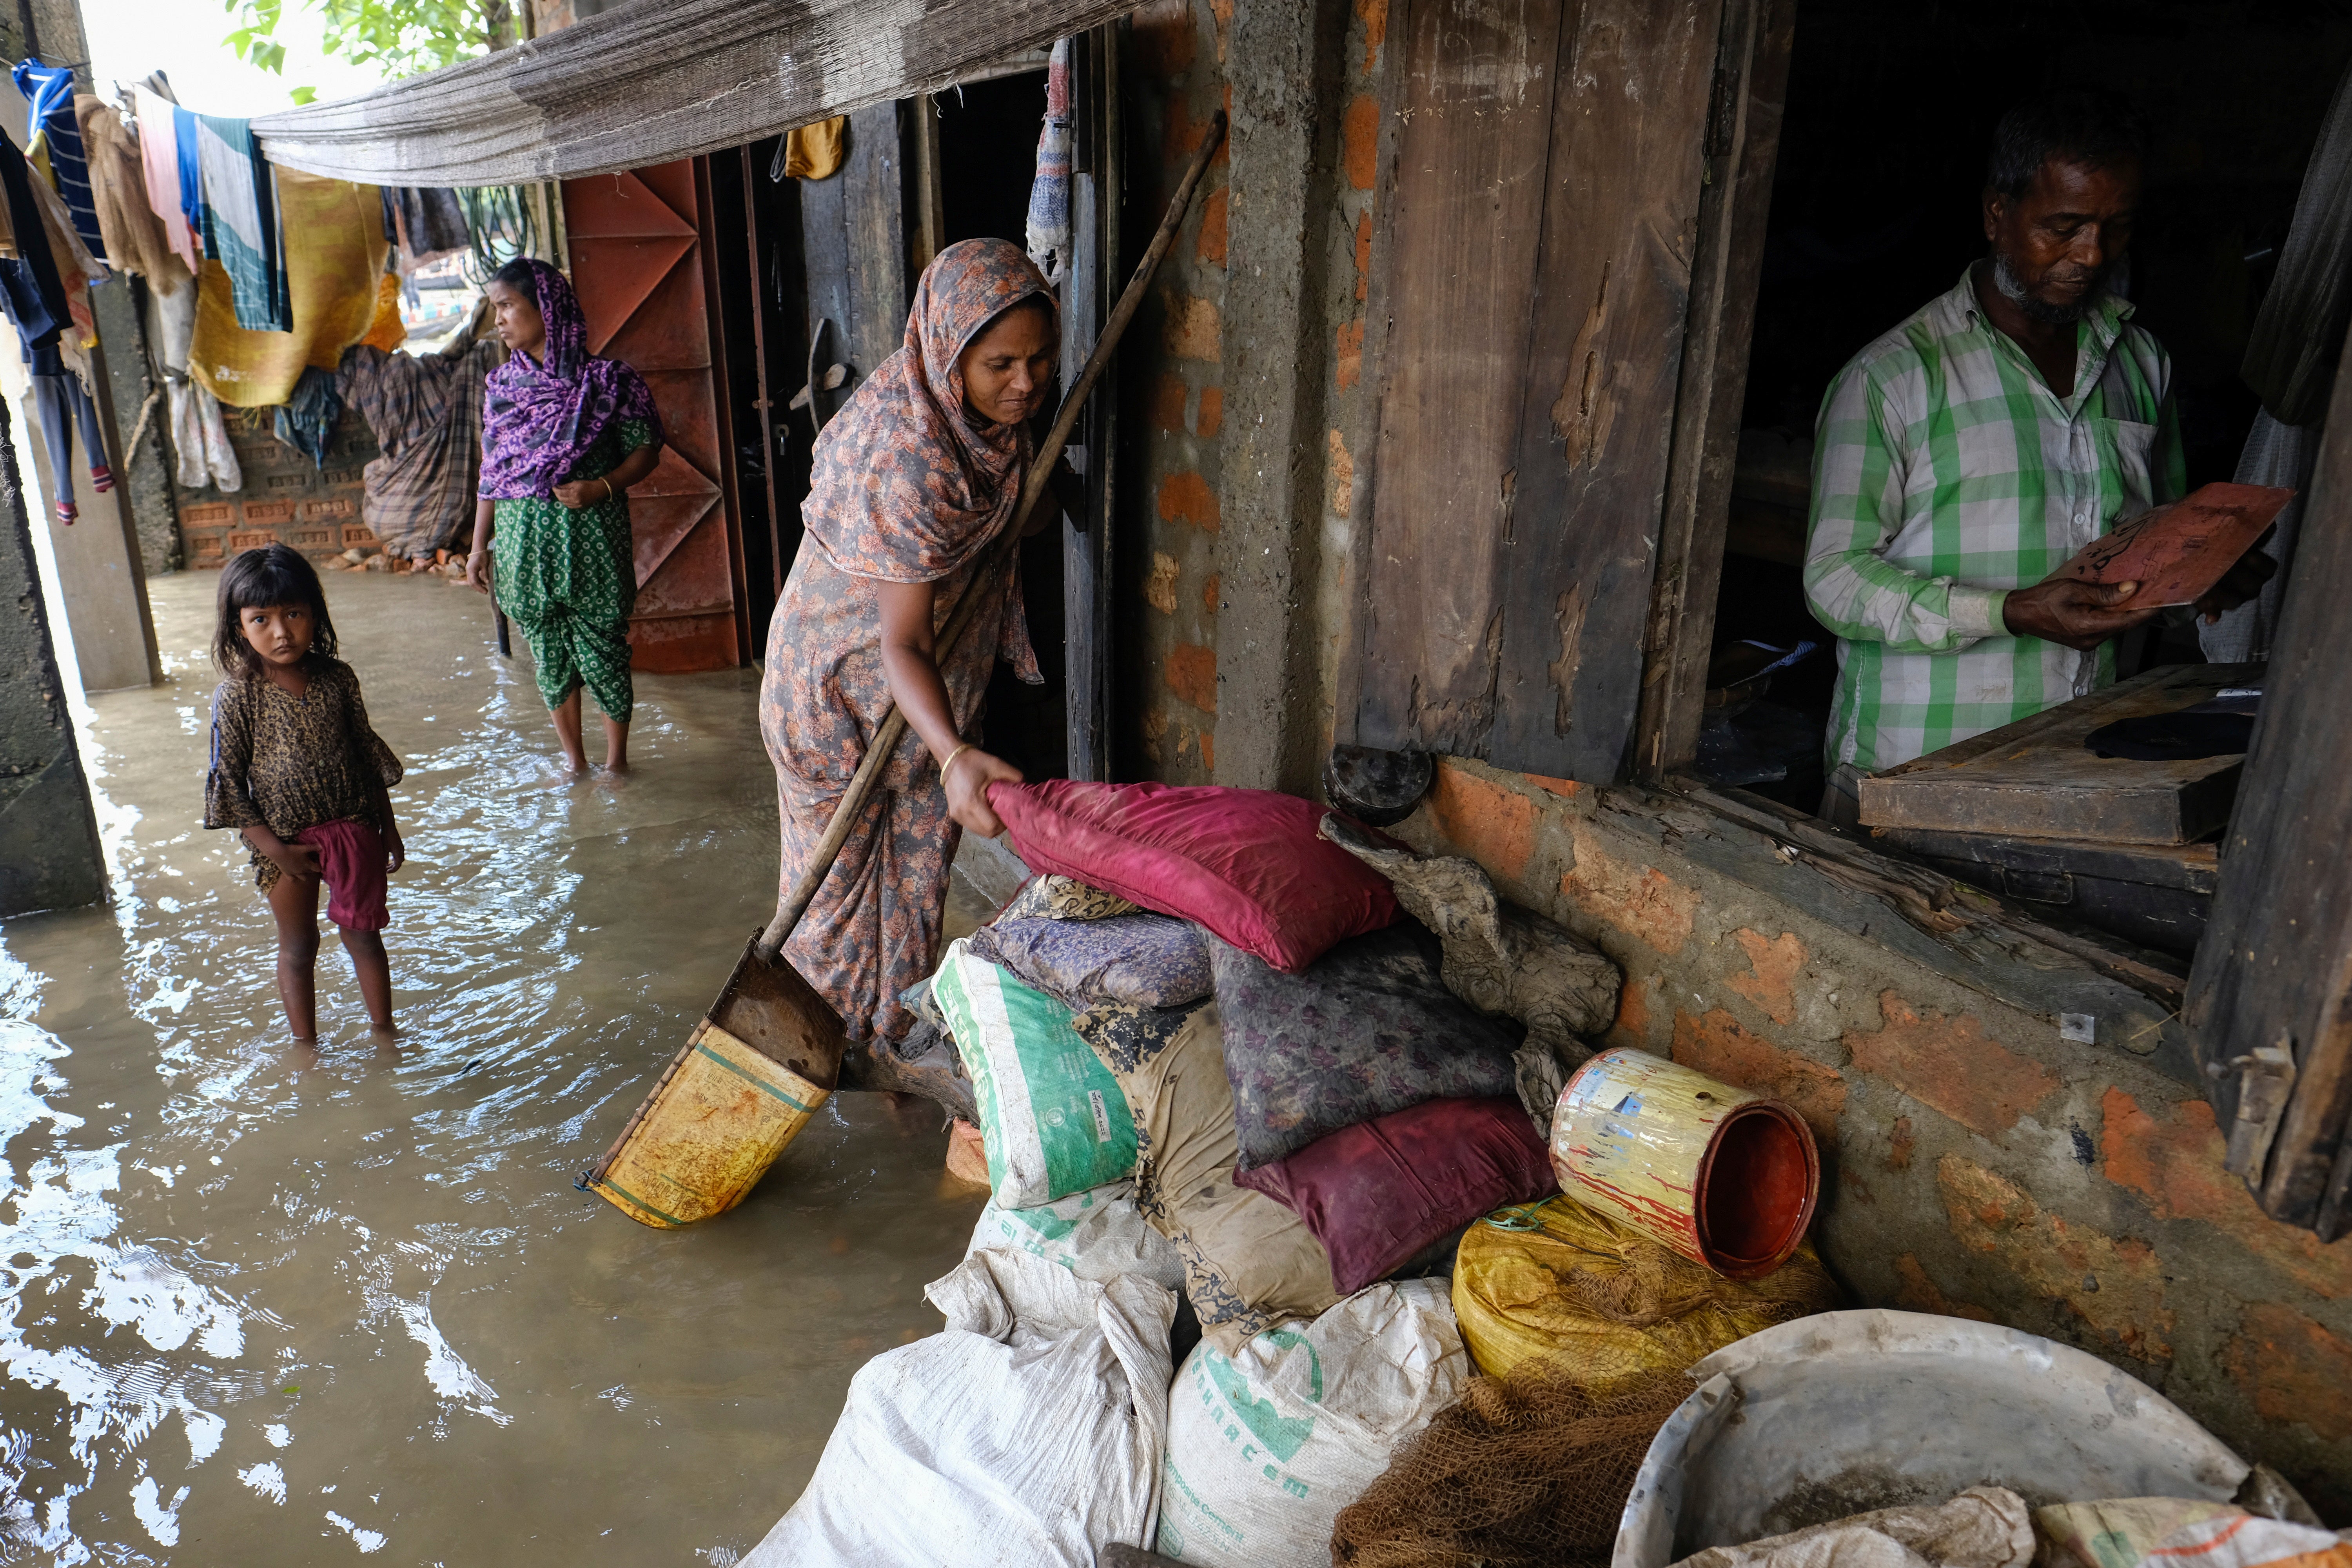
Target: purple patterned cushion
{"points": [[1150, 960]]}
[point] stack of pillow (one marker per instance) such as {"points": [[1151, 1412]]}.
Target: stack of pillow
{"points": [[1203, 1009]]}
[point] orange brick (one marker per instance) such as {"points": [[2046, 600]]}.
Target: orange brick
{"points": [[1352, 354], [1374, 14], [1773, 966], [1564, 788], [1166, 403], [2116, 1286], [1208, 753], [1948, 1064], [1640, 900], [1163, 37], [1211, 247], [2294, 1369], [1212, 412], [1900, 1142], [2175, 1162], [1191, 330], [1186, 497], [1360, 135], [1633, 1026], [1193, 675], [1915, 1292], [1717, 1047], [1209, 592], [1491, 824], [1363, 253]]}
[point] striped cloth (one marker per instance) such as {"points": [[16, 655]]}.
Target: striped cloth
{"points": [[426, 412], [50, 90], [1946, 472], [158, 159], [240, 223]]}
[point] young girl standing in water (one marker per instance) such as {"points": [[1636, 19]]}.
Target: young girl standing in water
{"points": [[297, 769]]}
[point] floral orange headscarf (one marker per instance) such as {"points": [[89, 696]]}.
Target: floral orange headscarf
{"points": [[908, 484]]}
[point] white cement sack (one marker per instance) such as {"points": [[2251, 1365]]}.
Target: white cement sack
{"points": [[1266, 1446], [1097, 1235], [1027, 1432]]}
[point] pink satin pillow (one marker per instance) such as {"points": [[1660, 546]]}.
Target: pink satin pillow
{"points": [[1245, 863]]}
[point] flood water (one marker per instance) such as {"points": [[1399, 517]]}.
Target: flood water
{"points": [[265, 1306]]}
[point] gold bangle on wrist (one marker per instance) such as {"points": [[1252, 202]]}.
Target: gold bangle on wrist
{"points": [[959, 751]]}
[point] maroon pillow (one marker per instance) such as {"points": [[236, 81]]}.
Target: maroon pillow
{"points": [[1378, 1191]]}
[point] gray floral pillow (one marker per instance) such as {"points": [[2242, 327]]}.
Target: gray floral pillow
{"points": [[1150, 960], [1056, 898], [1367, 1029]]}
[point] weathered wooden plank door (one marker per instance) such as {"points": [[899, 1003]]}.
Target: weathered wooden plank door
{"points": [[636, 240], [1543, 208], [2275, 967], [854, 252]]}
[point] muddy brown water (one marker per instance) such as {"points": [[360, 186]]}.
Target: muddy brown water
{"points": [[267, 1307]]}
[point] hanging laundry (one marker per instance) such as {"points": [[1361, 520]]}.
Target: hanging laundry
{"points": [[812, 152], [200, 436], [334, 256], [134, 240], [1049, 195], [30, 289], [425, 411], [239, 221], [307, 420], [158, 157], [60, 405], [50, 90], [425, 221], [77, 270]]}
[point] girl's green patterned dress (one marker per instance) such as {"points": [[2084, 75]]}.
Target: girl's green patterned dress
{"points": [[568, 579]]}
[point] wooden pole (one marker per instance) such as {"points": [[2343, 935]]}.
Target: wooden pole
{"points": [[1006, 556]]}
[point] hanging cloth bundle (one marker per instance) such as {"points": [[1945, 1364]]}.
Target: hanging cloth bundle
{"points": [[1049, 197]]}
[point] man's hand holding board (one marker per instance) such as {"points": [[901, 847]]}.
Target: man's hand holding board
{"points": [[2196, 551]]}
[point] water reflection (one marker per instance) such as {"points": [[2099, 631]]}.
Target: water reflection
{"points": [[272, 1305]]}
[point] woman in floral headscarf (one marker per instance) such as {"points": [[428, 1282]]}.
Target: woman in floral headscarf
{"points": [[563, 437], [915, 478]]}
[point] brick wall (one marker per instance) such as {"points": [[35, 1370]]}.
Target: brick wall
{"points": [[286, 500], [1175, 396], [1974, 1163]]}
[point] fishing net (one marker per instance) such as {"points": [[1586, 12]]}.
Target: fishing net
{"points": [[1526, 1471]]}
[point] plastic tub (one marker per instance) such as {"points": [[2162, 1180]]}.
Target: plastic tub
{"points": [[1836, 1414]]}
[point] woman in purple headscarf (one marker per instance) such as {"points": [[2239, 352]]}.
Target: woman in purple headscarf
{"points": [[915, 478], [563, 437]]}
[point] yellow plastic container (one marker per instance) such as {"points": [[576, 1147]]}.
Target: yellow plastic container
{"points": [[740, 1090], [1562, 1282]]}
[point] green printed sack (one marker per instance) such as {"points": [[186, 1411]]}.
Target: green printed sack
{"points": [[1050, 1112], [1266, 1445]]}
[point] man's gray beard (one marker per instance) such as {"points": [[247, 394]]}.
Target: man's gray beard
{"points": [[2039, 310]]}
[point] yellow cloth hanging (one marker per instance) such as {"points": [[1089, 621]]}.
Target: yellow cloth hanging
{"points": [[815, 152], [334, 255], [387, 331]]}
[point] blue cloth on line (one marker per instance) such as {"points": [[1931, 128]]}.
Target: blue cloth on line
{"points": [[50, 90], [192, 184], [240, 225], [307, 420]]}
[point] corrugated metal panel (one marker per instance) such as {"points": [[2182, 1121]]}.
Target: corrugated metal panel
{"points": [[636, 265]]}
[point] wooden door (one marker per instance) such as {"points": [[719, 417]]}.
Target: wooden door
{"points": [[2270, 995], [1543, 203], [854, 252], [636, 242]]}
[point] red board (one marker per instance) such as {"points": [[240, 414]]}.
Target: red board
{"points": [[2177, 552], [636, 240]]}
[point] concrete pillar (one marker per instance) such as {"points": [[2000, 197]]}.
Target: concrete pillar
{"points": [[49, 854], [100, 574], [1284, 63], [142, 470]]}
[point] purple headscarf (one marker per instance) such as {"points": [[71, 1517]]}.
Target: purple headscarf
{"points": [[539, 419]]}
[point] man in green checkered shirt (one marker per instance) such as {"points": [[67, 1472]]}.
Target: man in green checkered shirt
{"points": [[1971, 451]]}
